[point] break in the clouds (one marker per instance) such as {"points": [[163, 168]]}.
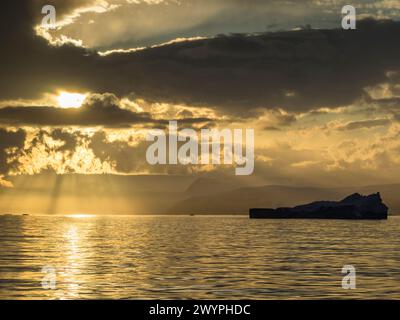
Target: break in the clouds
{"points": [[126, 24], [97, 110]]}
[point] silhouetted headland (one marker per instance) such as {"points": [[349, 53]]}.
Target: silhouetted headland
{"points": [[354, 206]]}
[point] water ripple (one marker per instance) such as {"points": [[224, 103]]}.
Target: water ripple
{"points": [[182, 257]]}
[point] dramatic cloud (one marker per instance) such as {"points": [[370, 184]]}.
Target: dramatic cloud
{"points": [[312, 95], [295, 71], [125, 24]]}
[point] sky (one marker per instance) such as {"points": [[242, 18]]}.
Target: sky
{"points": [[323, 101]]}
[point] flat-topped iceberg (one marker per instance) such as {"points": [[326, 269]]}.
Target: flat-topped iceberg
{"points": [[355, 206]]}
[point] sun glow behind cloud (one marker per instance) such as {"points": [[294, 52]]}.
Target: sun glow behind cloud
{"points": [[70, 100]]}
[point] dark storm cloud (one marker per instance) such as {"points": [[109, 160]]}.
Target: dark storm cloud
{"points": [[70, 140], [29, 65], [144, 23], [9, 140], [295, 71]]}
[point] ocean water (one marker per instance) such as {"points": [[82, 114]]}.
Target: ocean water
{"points": [[182, 257]]}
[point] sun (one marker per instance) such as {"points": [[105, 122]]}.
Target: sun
{"points": [[70, 100]]}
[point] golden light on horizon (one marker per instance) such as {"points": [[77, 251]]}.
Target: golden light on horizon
{"points": [[80, 215], [70, 100]]}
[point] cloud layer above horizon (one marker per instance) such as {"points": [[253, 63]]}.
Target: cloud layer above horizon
{"points": [[324, 102]]}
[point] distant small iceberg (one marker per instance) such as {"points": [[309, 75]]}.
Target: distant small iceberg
{"points": [[355, 206]]}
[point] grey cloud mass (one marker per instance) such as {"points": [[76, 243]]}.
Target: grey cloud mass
{"points": [[295, 71], [285, 84], [127, 24], [9, 140]]}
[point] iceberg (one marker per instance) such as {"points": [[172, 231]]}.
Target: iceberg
{"points": [[355, 206]]}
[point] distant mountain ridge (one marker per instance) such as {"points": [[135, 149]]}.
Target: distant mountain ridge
{"points": [[238, 201], [355, 206], [165, 194]]}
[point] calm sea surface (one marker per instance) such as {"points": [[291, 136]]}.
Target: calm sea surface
{"points": [[180, 257]]}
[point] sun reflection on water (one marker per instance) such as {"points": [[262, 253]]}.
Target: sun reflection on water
{"points": [[75, 257], [157, 257]]}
